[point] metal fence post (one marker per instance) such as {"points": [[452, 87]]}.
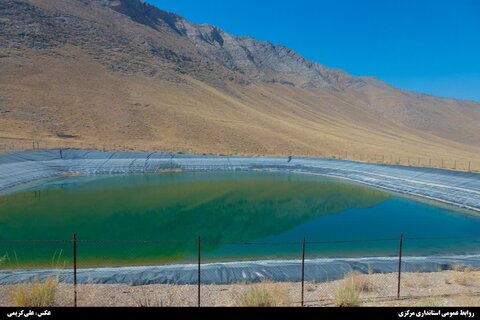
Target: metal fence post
{"points": [[74, 269], [400, 265], [303, 271], [199, 274]]}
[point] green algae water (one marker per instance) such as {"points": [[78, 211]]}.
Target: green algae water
{"points": [[156, 219]]}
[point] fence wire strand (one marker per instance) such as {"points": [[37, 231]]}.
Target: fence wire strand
{"points": [[167, 272]]}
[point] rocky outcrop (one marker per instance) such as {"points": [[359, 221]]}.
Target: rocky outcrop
{"points": [[203, 51]]}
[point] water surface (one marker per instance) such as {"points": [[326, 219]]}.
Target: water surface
{"points": [[149, 219]]}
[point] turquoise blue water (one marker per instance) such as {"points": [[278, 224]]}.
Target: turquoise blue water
{"points": [[169, 211]]}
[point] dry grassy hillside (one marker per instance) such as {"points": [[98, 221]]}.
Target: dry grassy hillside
{"points": [[77, 89]]}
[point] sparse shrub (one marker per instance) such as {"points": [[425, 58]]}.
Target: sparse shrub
{"points": [[361, 282], [457, 267], [461, 274], [462, 268], [348, 293], [469, 269], [415, 280], [370, 269], [35, 294], [146, 301], [261, 295], [461, 278], [151, 299], [310, 287]]}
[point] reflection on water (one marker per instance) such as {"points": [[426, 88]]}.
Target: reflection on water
{"points": [[220, 207]]}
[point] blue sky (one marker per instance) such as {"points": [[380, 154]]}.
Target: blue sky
{"points": [[422, 45]]}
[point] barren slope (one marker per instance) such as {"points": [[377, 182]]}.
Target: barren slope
{"points": [[121, 72]]}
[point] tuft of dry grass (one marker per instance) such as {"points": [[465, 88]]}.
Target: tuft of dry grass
{"points": [[145, 301], [35, 294], [310, 287], [462, 275], [361, 282], [462, 278], [348, 293], [415, 280], [370, 269], [263, 295], [150, 299], [462, 268]]}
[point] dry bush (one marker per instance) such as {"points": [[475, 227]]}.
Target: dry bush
{"points": [[149, 298], [370, 269], [462, 268], [415, 280], [263, 295], [462, 274], [361, 282], [35, 294], [462, 278], [348, 292], [310, 287], [350, 289]]}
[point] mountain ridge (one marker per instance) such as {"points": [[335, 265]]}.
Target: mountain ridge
{"points": [[217, 38], [174, 20]]}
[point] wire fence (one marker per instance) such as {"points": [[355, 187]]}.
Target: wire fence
{"points": [[458, 164], [204, 272]]}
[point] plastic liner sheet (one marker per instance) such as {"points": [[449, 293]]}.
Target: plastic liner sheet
{"points": [[18, 169], [319, 270]]}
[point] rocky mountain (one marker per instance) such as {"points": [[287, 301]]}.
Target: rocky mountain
{"points": [[125, 72], [243, 59]]}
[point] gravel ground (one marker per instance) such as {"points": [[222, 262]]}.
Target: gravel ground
{"points": [[448, 288]]}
